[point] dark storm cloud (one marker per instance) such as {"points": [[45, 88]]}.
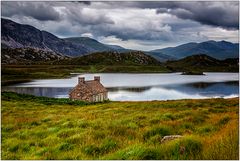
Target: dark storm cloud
{"points": [[39, 11], [126, 34], [84, 2], [78, 16], [223, 14], [142, 23]]}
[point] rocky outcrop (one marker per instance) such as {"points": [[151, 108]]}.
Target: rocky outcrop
{"points": [[29, 56], [170, 137]]}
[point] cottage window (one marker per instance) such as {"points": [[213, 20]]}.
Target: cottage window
{"points": [[97, 98]]}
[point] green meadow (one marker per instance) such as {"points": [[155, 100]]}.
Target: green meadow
{"points": [[47, 128]]}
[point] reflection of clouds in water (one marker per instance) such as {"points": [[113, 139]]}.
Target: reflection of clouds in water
{"points": [[140, 87], [134, 80], [152, 94], [159, 94]]}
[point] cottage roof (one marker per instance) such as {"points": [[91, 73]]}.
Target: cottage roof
{"points": [[93, 86]]}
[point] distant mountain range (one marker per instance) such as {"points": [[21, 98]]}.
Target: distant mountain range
{"points": [[216, 49], [15, 35]]}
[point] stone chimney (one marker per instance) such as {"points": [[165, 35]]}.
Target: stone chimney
{"points": [[81, 80], [97, 78]]}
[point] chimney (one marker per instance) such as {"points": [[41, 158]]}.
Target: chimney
{"points": [[97, 78], [81, 80]]}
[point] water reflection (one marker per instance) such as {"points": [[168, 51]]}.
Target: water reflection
{"points": [[160, 92]]}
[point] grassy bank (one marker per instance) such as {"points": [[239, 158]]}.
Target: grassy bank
{"points": [[21, 73], [43, 128]]}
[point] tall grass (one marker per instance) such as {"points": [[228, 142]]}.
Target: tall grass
{"points": [[43, 128]]}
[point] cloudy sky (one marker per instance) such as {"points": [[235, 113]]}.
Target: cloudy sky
{"points": [[134, 25]]}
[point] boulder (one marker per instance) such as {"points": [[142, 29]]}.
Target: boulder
{"points": [[170, 137]]}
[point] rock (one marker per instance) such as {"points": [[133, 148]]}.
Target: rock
{"points": [[192, 73], [170, 137], [7, 56]]}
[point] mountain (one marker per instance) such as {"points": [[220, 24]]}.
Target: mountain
{"points": [[16, 35], [203, 62], [28, 56], [88, 42], [95, 45], [160, 56], [112, 58], [216, 49]]}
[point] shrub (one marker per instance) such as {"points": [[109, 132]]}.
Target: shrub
{"points": [[25, 147], [186, 148], [66, 133], [224, 148], [192, 146], [206, 129], [224, 120], [76, 139], [83, 124], [108, 145], [14, 148], [91, 150], [34, 123], [162, 131], [119, 130], [66, 147], [168, 116], [155, 139], [136, 152], [187, 125], [132, 125], [99, 135]]}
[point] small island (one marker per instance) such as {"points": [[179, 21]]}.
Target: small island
{"points": [[192, 73]]}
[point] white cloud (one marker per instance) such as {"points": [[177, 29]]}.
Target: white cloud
{"points": [[87, 35]]}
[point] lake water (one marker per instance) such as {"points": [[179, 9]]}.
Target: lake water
{"points": [[141, 87]]}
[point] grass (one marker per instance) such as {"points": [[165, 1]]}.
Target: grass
{"points": [[43, 128]]}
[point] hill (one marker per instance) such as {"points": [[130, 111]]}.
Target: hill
{"points": [[28, 56], [160, 56], [112, 58], [86, 41], [216, 49], [204, 63], [95, 45]]}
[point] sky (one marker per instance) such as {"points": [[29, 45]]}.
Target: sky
{"points": [[134, 25]]}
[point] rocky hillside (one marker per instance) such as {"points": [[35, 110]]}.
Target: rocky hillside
{"points": [[29, 56], [203, 62], [16, 35], [112, 58]]}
